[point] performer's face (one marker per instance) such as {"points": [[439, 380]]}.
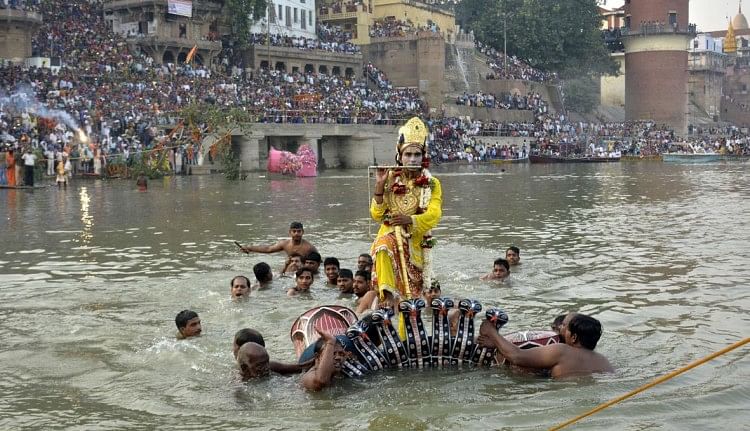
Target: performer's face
{"points": [[412, 156]]}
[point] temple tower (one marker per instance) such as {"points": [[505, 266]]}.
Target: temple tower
{"points": [[656, 38]]}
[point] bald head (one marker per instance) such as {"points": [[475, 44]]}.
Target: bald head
{"points": [[252, 359]]}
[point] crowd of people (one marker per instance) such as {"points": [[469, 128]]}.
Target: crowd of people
{"points": [[505, 67], [327, 356], [531, 101], [328, 40], [389, 27], [121, 100]]}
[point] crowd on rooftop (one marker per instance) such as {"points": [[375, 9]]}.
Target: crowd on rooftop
{"points": [[330, 41], [390, 27]]}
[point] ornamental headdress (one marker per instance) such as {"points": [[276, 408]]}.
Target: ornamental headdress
{"points": [[414, 132]]}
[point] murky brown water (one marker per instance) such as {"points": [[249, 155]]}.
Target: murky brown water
{"points": [[91, 278]]}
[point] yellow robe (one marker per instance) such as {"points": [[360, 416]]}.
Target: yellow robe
{"points": [[384, 250]]}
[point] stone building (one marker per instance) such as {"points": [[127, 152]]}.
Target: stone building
{"points": [[167, 30], [707, 65], [17, 27], [295, 18], [656, 38]]}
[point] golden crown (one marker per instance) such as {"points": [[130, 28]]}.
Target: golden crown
{"points": [[413, 132]]}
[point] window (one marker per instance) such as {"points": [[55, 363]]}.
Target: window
{"points": [[288, 16], [696, 44], [296, 18], [309, 19], [303, 21], [627, 22], [280, 17], [271, 14]]}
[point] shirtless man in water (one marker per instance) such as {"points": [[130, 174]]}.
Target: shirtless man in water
{"points": [[291, 246], [574, 356]]}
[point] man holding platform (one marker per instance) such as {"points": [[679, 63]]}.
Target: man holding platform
{"points": [[408, 204], [291, 246]]}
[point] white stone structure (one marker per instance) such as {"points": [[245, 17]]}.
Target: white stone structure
{"points": [[290, 18]]}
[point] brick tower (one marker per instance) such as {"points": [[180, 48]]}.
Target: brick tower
{"points": [[656, 37]]}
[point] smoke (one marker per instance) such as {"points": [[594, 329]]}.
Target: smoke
{"points": [[25, 100]]}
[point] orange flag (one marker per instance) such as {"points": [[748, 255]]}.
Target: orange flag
{"points": [[191, 54]]}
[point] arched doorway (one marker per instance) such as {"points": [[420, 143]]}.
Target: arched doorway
{"points": [[168, 57], [280, 66], [349, 72], [336, 71], [181, 57], [323, 69], [264, 64], [309, 68]]}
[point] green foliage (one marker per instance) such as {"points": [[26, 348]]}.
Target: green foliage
{"points": [[220, 121], [242, 13], [582, 94], [560, 36]]}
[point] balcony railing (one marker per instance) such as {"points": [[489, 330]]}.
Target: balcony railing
{"points": [[660, 28]]}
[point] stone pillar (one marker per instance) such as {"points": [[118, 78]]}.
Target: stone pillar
{"points": [[249, 152]]}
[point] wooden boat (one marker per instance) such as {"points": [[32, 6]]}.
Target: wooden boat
{"points": [[650, 158], [571, 159], [504, 161], [691, 157], [333, 319], [5, 186]]}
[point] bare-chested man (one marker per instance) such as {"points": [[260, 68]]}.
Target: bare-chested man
{"points": [[367, 298], [294, 245], [575, 356]]}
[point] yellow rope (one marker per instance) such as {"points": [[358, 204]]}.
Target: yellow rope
{"points": [[653, 383]]}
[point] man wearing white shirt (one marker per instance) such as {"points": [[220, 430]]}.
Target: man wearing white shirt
{"points": [[29, 159]]}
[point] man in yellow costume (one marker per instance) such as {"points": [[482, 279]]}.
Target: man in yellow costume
{"points": [[408, 204]]}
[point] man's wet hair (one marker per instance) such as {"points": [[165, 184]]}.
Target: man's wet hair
{"points": [[346, 273], [183, 317], [296, 255], [262, 272], [296, 225], [587, 329], [365, 274], [247, 280], [301, 271], [314, 256], [503, 262], [557, 323], [247, 335], [367, 255], [514, 249], [330, 261]]}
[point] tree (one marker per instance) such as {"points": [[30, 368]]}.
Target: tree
{"points": [[560, 36], [242, 14]]}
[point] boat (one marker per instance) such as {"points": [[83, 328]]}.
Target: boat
{"points": [[539, 158], [691, 157], [641, 158], [512, 160]]}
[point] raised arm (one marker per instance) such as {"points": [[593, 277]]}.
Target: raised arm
{"points": [[279, 246]]}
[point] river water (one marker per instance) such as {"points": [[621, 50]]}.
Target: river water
{"points": [[91, 278]]}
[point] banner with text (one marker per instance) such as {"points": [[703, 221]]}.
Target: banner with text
{"points": [[180, 7]]}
